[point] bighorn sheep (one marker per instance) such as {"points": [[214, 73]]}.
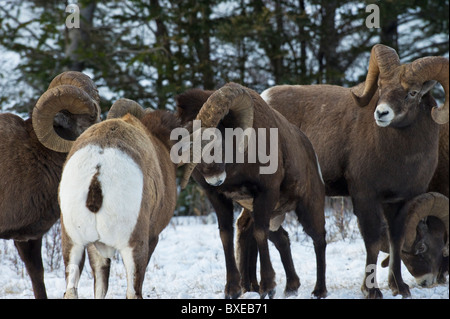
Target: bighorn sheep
{"points": [[32, 155], [423, 256], [295, 184], [118, 192], [381, 163]]}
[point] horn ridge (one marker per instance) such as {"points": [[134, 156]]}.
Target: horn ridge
{"points": [[428, 204], [384, 61], [432, 68], [76, 99], [231, 97], [123, 106]]}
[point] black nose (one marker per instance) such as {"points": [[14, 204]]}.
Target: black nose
{"points": [[382, 114]]}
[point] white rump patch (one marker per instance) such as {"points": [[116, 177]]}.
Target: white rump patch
{"points": [[121, 181]]}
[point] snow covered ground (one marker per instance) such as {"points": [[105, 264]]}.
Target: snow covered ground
{"points": [[189, 263]]}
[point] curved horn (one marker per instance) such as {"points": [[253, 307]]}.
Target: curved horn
{"points": [[231, 97], [428, 204], [436, 69], [71, 91], [123, 106], [79, 80], [383, 60]]}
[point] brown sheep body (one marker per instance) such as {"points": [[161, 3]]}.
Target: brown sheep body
{"points": [[295, 184], [378, 143], [117, 192], [31, 163]]}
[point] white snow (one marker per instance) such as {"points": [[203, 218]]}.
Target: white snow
{"points": [[188, 262]]}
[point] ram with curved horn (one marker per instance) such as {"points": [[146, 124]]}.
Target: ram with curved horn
{"points": [[117, 170], [376, 142], [32, 155], [294, 184], [420, 213], [70, 100]]}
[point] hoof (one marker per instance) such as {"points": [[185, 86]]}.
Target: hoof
{"points": [[252, 287], [232, 291], [71, 293], [267, 288], [292, 288], [290, 293], [319, 293], [372, 293], [234, 296], [402, 289], [270, 293]]}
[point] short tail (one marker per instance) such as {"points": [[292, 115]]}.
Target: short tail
{"points": [[94, 199]]}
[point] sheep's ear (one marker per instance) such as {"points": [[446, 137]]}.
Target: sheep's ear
{"points": [[427, 86]]}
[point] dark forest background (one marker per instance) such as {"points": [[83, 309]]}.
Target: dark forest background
{"points": [[152, 50]]}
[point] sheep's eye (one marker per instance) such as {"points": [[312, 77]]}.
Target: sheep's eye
{"points": [[413, 93]]}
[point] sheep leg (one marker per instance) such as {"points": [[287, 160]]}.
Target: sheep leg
{"points": [[136, 264], [100, 267], [311, 216], [133, 267], [224, 211], [30, 253], [246, 252], [73, 255], [396, 224], [264, 203], [282, 243], [247, 255], [369, 214]]}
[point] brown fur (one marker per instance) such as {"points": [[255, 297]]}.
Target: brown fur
{"points": [[296, 185], [380, 168], [94, 199], [148, 144], [29, 175], [439, 182]]}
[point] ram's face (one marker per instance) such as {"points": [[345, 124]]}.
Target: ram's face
{"points": [[399, 101], [214, 174], [230, 100], [426, 261], [402, 86], [71, 126], [212, 165]]}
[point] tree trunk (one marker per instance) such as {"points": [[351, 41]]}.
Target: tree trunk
{"points": [[77, 39], [329, 41], [302, 38], [165, 64]]}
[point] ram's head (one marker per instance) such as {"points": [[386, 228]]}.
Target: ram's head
{"points": [[425, 248], [231, 104], [68, 107], [402, 86]]}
